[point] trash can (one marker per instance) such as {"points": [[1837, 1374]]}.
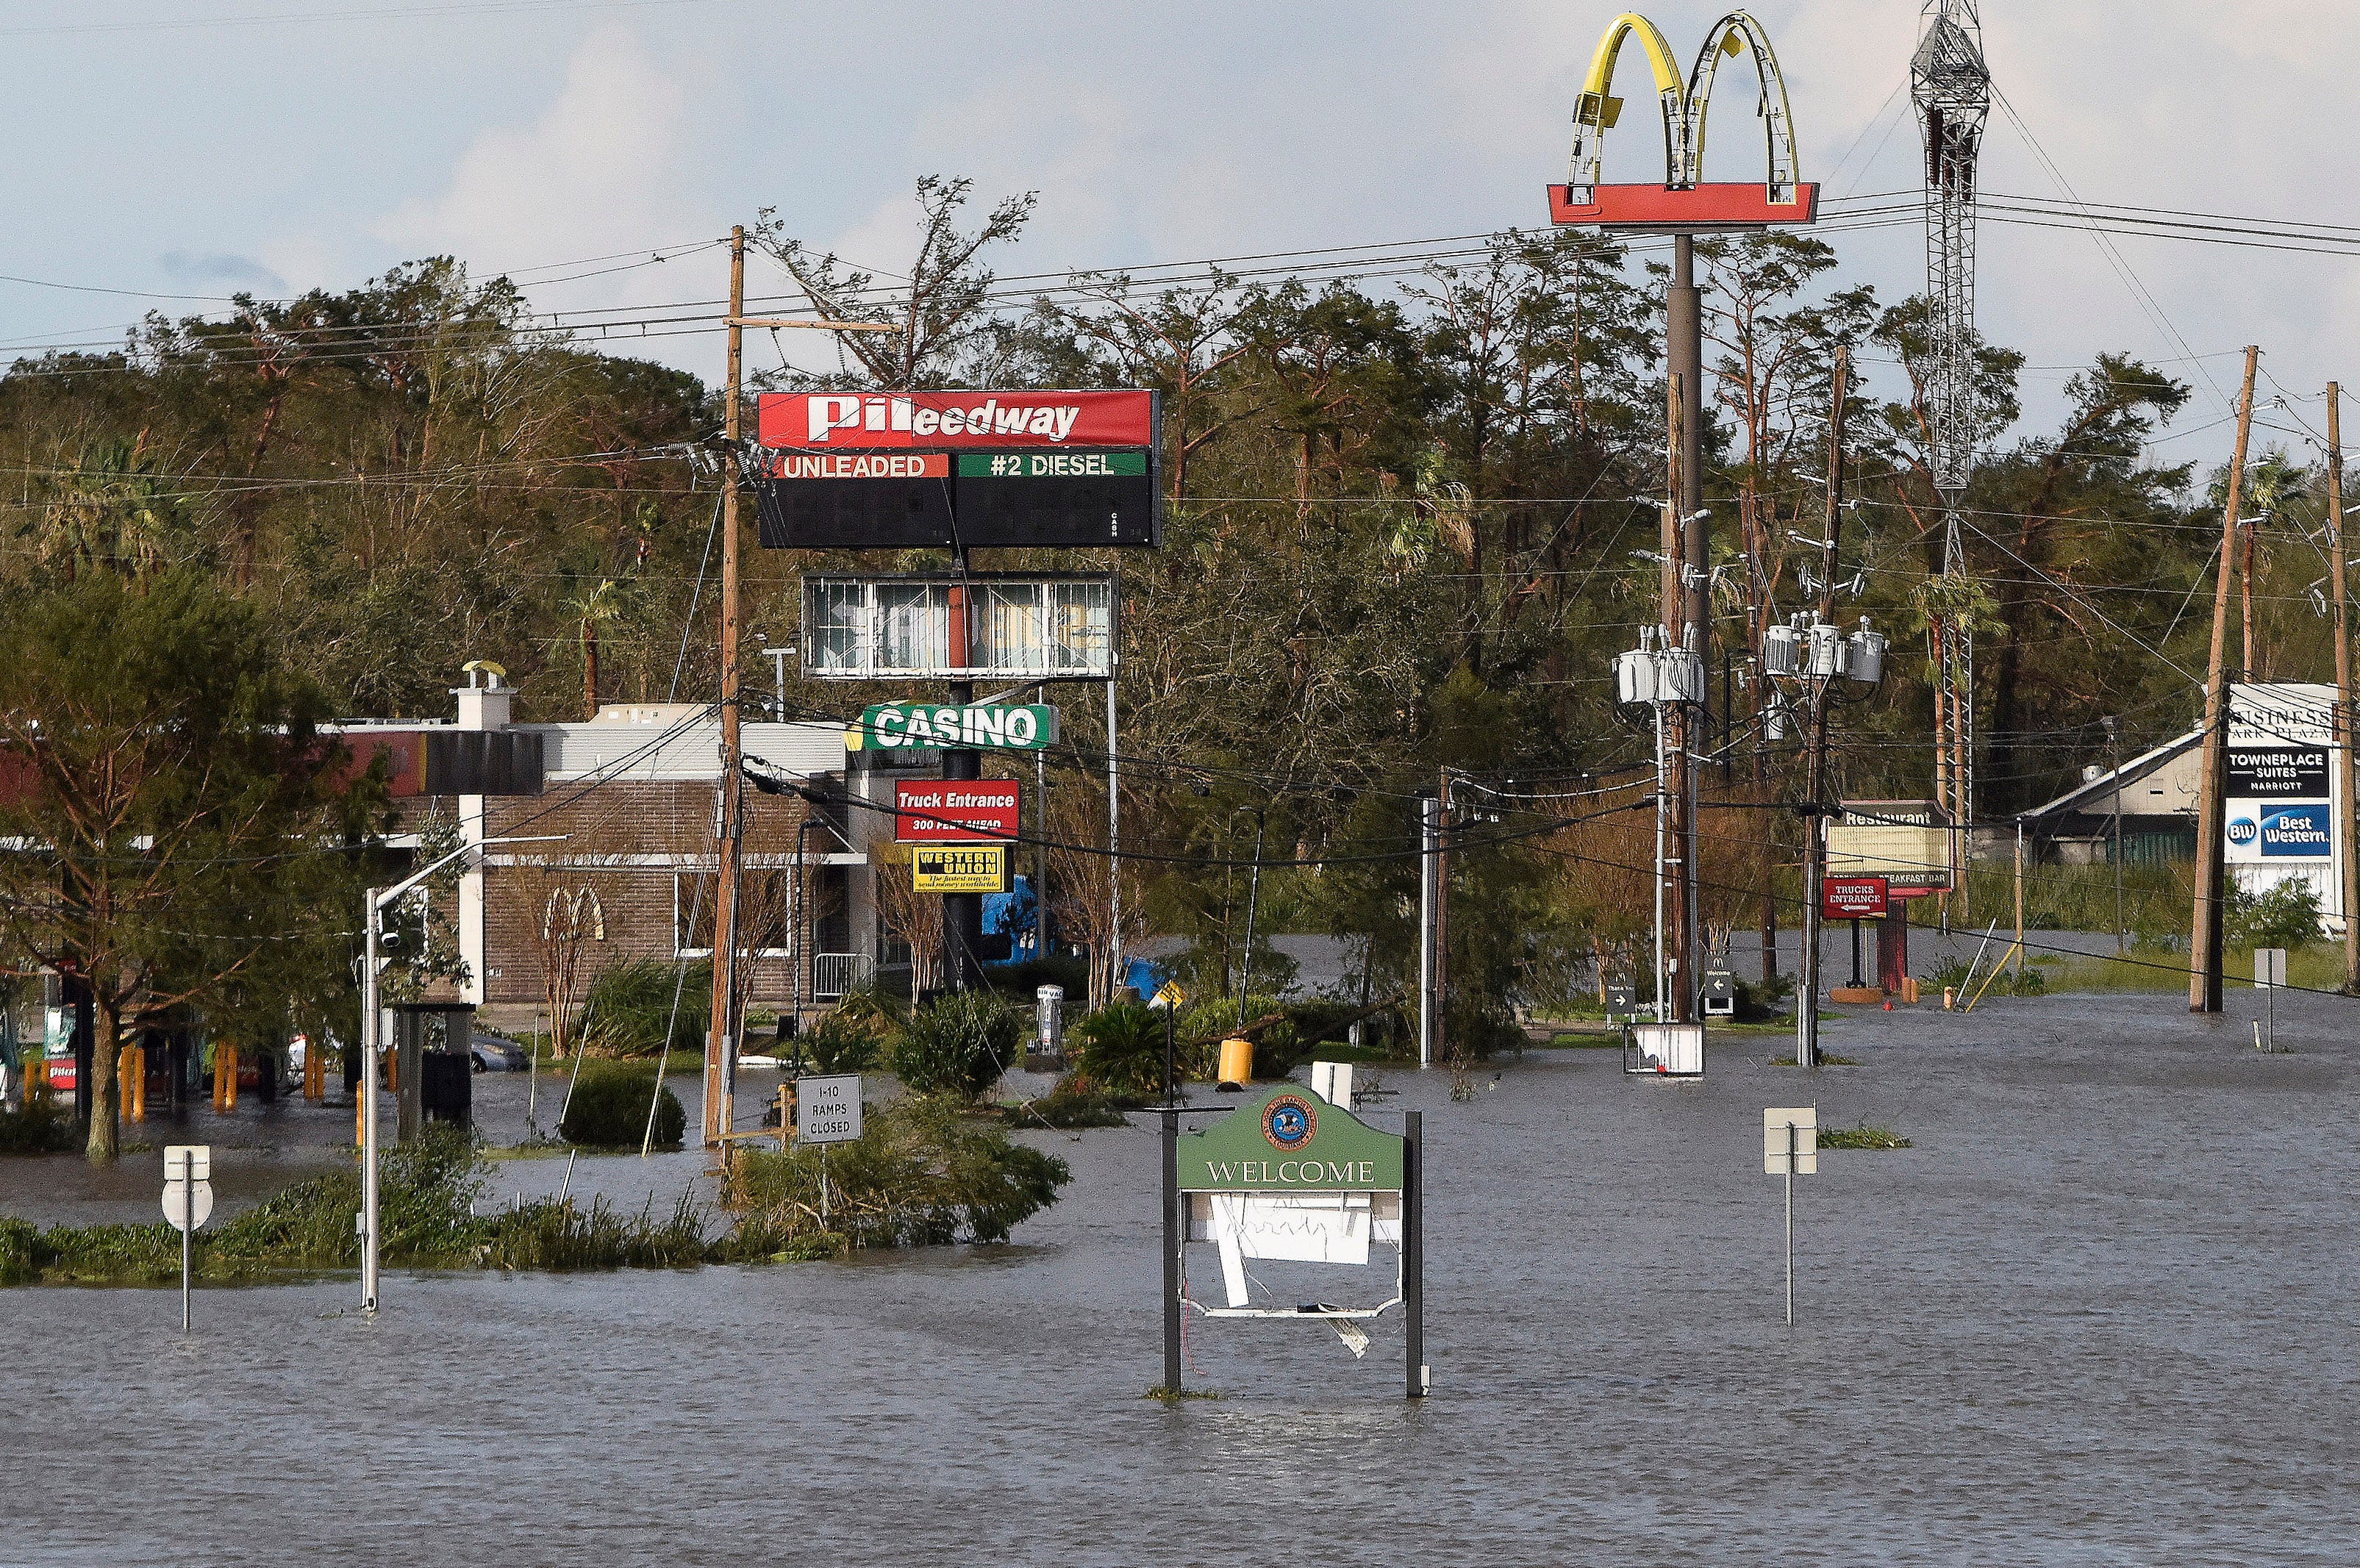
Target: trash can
{"points": [[1237, 1063]]}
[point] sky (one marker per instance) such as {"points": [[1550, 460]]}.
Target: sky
{"points": [[180, 150]]}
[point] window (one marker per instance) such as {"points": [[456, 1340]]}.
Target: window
{"points": [[764, 906]]}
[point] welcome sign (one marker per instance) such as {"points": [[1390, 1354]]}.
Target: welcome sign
{"points": [[1286, 1140]]}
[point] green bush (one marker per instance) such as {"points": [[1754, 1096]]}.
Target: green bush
{"points": [[41, 1125], [920, 1175], [2286, 916], [630, 1003], [1119, 1049], [610, 1111], [841, 1044], [959, 1044]]}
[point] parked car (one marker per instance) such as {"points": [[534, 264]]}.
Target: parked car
{"points": [[493, 1053]]}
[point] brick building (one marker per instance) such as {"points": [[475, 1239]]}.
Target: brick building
{"points": [[634, 794]]}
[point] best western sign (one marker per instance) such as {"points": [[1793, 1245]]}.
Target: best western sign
{"points": [[955, 811], [808, 420], [891, 726]]}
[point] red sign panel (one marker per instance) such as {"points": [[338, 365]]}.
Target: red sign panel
{"points": [[862, 465], [1852, 898], [892, 420], [955, 811], [1697, 207]]}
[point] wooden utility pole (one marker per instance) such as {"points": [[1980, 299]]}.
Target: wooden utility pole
{"points": [[2204, 932], [721, 1035], [2343, 691]]}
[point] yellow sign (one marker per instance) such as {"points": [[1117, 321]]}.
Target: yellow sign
{"points": [[960, 869]]}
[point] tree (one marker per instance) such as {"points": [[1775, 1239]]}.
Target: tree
{"points": [[175, 816]]}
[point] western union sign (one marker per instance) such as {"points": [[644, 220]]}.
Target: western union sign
{"points": [[963, 868]]}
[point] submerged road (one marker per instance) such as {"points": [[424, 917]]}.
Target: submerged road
{"points": [[2106, 1311]]}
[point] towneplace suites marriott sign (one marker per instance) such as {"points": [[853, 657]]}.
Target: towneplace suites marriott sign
{"points": [[985, 470], [955, 811]]}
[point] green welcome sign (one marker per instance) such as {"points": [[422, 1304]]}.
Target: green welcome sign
{"points": [[890, 726], [1287, 1140]]}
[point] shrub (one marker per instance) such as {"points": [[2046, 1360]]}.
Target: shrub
{"points": [[839, 1044], [959, 1045], [1119, 1049], [41, 1125], [610, 1111], [630, 1005], [2286, 916], [920, 1175]]}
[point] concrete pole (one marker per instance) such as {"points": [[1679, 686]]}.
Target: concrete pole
{"points": [[370, 1046], [2204, 931], [1428, 837], [1684, 322]]}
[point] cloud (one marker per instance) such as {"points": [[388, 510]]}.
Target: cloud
{"points": [[599, 171], [220, 267]]}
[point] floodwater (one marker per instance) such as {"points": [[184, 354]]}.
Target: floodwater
{"points": [[2105, 1311]]}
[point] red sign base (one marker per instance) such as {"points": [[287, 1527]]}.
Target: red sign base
{"points": [[1694, 210]]}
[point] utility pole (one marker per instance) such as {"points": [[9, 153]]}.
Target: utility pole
{"points": [[963, 912], [1429, 834], [1673, 771], [1815, 838], [2114, 761], [721, 1034], [2342, 689], [1684, 347], [2204, 933]]}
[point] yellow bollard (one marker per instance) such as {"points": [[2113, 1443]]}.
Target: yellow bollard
{"points": [[37, 1077], [1237, 1061], [229, 1101], [315, 1087], [137, 1098]]}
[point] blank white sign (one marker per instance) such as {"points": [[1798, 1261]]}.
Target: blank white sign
{"points": [[1805, 1120]]}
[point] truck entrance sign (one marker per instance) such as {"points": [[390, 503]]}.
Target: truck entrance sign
{"points": [[1852, 898], [955, 811]]}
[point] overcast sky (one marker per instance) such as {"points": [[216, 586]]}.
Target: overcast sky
{"points": [[196, 147]]}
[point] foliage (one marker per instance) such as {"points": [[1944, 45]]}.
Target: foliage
{"points": [[959, 1045], [41, 1125], [1861, 1136], [190, 811], [1118, 1049], [841, 1043], [2286, 915], [920, 1175], [610, 1111], [630, 1005]]}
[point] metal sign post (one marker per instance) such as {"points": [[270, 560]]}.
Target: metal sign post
{"points": [[188, 1203], [1791, 1148], [2269, 973]]}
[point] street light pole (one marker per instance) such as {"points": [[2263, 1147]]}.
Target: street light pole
{"points": [[374, 905]]}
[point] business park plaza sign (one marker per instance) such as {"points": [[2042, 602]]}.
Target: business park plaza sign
{"points": [[2283, 810]]}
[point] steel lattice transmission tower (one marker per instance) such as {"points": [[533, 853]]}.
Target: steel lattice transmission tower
{"points": [[1952, 89]]}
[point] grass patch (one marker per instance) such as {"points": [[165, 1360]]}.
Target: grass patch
{"points": [[1067, 1111], [1827, 1059], [2314, 966], [1862, 1137], [1171, 1396]]}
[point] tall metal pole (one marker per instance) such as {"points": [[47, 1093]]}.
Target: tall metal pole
{"points": [[2205, 936], [1684, 324], [2343, 821], [1413, 1221], [1253, 900], [1429, 838], [721, 1037], [2114, 761], [1174, 1233], [1442, 907], [1794, 1148], [371, 917], [963, 912], [188, 1229], [1114, 828], [1663, 810]]}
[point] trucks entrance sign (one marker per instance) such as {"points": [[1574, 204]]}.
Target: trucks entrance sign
{"points": [[1852, 898], [955, 811]]}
